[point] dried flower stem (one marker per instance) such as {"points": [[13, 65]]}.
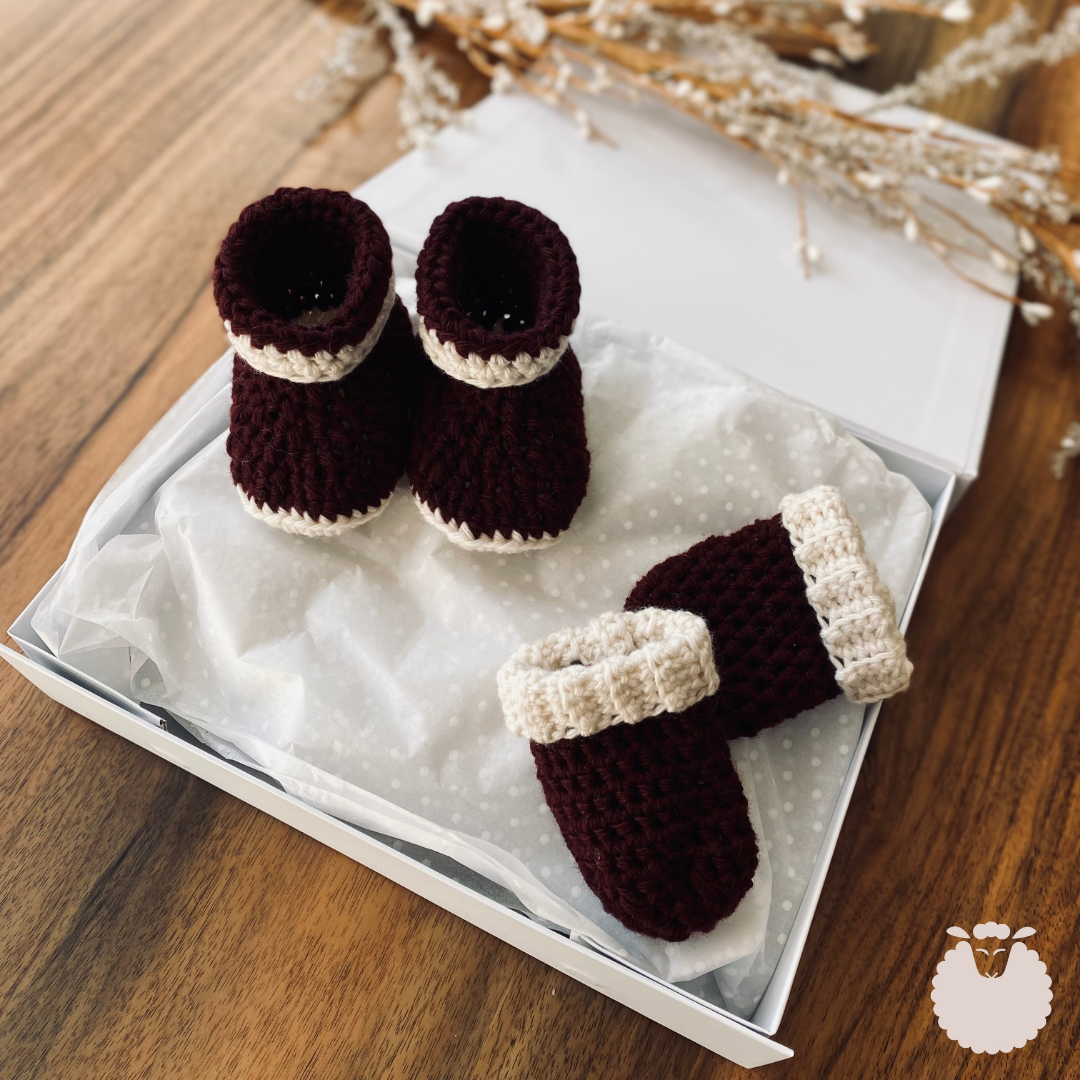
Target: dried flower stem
{"points": [[747, 94], [720, 61]]}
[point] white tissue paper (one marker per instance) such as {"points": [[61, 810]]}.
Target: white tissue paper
{"points": [[359, 672]]}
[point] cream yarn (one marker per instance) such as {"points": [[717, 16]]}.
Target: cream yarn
{"points": [[619, 669], [324, 366], [292, 521], [497, 370], [855, 609], [464, 537]]}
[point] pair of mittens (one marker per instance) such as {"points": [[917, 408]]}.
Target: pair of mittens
{"points": [[629, 718]]}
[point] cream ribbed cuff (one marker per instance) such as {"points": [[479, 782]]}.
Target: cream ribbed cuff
{"points": [[855, 609], [620, 669]]}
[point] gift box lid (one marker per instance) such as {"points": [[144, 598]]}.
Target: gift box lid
{"points": [[678, 232]]}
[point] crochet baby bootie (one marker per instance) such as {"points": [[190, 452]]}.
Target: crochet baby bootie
{"points": [[629, 717], [499, 459], [796, 611], [324, 361]]}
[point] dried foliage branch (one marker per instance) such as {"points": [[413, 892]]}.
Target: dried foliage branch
{"points": [[723, 62], [999, 52]]}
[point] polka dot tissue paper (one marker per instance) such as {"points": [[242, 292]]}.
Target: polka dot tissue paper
{"points": [[359, 671]]}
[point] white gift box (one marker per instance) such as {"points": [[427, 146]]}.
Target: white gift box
{"points": [[883, 338]]}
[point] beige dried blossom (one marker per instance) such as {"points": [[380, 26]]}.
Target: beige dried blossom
{"points": [[724, 62]]}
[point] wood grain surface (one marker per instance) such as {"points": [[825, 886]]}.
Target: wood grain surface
{"points": [[151, 926]]}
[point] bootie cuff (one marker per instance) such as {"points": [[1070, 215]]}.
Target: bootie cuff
{"points": [[322, 365], [497, 293], [496, 370], [854, 608], [304, 282]]}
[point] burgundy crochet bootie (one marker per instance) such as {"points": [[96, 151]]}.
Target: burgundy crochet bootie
{"points": [[499, 459], [324, 363], [629, 717]]}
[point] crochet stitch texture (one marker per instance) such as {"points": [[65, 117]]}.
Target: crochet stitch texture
{"points": [[766, 637], [325, 361], [856, 611], [795, 613], [620, 669], [657, 820], [298, 252], [499, 457], [320, 458], [796, 610]]}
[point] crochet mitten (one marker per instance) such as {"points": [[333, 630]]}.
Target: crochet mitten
{"points": [[796, 611], [499, 459], [642, 787], [629, 717], [325, 360]]}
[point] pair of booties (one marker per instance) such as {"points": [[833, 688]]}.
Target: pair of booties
{"points": [[333, 399], [629, 717]]}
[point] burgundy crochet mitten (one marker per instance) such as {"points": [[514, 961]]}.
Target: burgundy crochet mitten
{"points": [[499, 459], [324, 365], [796, 611], [629, 729], [656, 818]]}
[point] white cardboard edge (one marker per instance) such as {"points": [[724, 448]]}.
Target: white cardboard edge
{"points": [[663, 1003]]}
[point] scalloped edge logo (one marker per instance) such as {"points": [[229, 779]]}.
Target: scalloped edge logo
{"points": [[991, 1012]]}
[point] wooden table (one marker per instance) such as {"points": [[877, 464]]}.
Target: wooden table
{"points": [[152, 926]]}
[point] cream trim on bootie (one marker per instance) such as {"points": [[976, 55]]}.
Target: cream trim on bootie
{"points": [[621, 668], [324, 366], [303, 524], [855, 609], [464, 537], [494, 372]]}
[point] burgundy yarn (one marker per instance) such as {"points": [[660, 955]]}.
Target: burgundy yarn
{"points": [[766, 637], [657, 820], [496, 276], [653, 812], [510, 459], [326, 448], [298, 250]]}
